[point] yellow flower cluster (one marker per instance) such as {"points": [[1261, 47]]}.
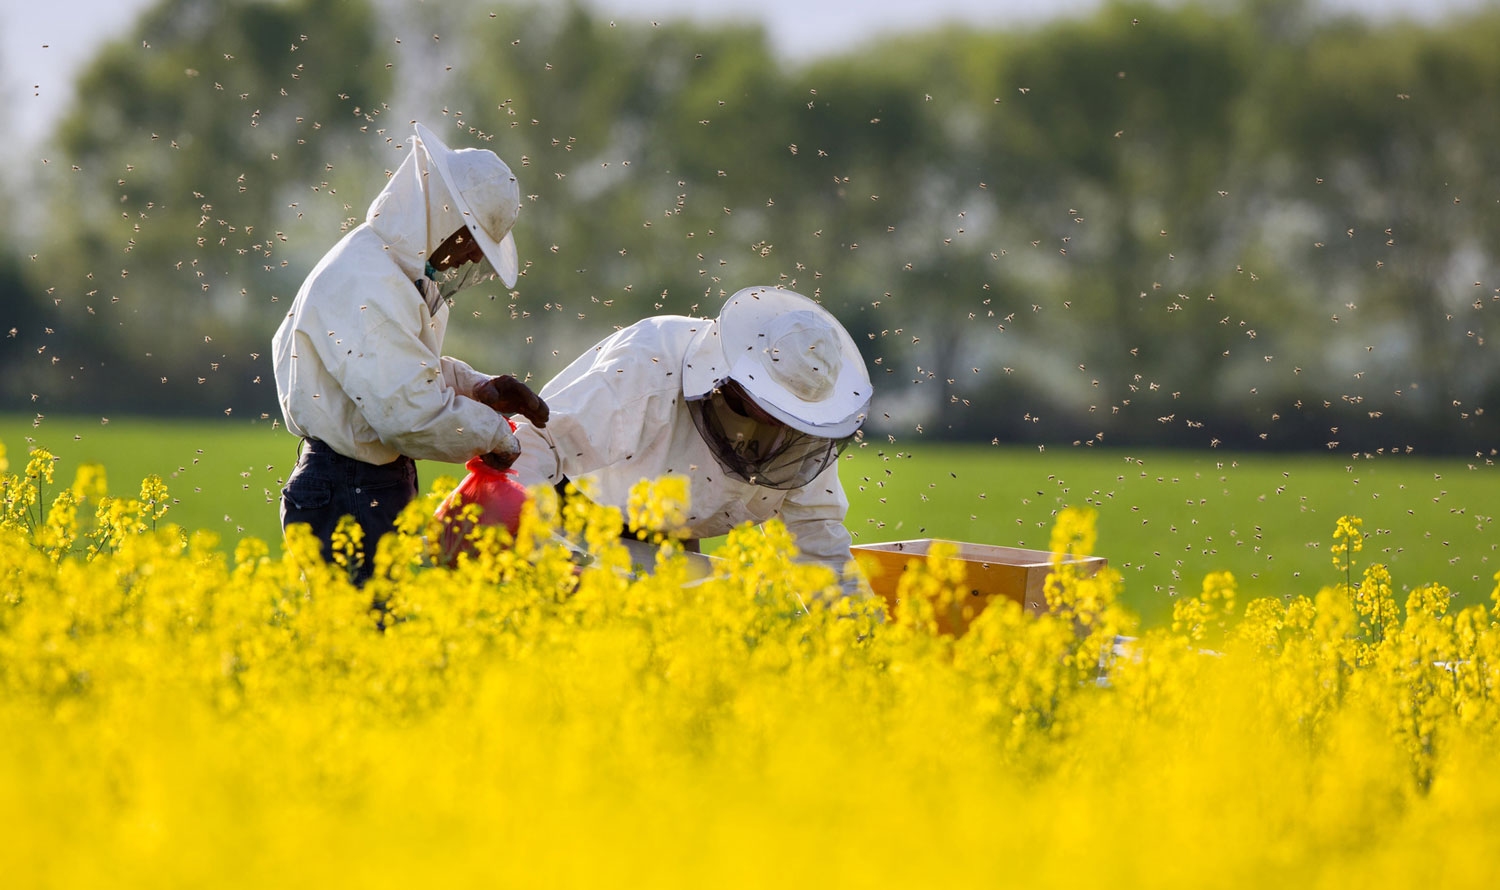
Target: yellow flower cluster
{"points": [[173, 717], [661, 506], [1347, 541], [1210, 610]]}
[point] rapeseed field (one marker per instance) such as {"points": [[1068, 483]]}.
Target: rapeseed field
{"points": [[172, 715]]}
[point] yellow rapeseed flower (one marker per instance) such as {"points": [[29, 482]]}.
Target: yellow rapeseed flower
{"points": [[1348, 540], [89, 483], [520, 719], [1074, 533], [40, 466], [154, 497], [660, 505]]}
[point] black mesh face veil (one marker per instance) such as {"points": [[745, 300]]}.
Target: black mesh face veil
{"points": [[451, 281], [766, 454]]}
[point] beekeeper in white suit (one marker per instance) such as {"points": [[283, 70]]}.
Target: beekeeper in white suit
{"points": [[753, 407], [360, 372]]}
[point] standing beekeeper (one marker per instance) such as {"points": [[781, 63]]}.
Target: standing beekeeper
{"points": [[753, 407], [360, 372]]}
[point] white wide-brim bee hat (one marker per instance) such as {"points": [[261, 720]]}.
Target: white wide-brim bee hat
{"points": [[790, 355], [484, 193]]}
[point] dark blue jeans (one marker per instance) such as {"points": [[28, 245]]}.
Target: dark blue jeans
{"points": [[325, 486]]}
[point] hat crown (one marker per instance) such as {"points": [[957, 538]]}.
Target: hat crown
{"points": [[802, 355], [487, 186]]}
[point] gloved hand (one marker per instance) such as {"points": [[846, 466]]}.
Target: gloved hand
{"points": [[508, 395], [499, 461]]}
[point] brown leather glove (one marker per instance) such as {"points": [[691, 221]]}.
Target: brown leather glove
{"points": [[508, 395]]}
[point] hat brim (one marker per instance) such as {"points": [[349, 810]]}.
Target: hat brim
{"points": [[831, 419], [501, 254]]}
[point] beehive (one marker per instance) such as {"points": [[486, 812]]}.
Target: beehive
{"points": [[990, 571]]}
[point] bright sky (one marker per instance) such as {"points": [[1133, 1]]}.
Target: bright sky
{"points": [[42, 44]]}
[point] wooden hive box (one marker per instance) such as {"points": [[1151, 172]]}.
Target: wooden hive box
{"points": [[990, 571]]}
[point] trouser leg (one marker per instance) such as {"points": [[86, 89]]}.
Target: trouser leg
{"points": [[326, 486]]}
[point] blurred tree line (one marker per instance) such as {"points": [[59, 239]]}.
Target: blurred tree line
{"points": [[1250, 225]]}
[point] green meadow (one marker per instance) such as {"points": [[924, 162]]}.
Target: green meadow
{"points": [[1165, 518]]}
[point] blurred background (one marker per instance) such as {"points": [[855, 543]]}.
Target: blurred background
{"points": [[1257, 225]]}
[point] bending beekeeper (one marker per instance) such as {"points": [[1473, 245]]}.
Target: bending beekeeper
{"points": [[360, 373], [753, 407]]}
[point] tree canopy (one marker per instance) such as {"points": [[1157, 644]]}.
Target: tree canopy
{"points": [[1247, 225]]}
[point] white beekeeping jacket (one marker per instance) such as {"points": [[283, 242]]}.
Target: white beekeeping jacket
{"points": [[359, 359], [618, 416]]}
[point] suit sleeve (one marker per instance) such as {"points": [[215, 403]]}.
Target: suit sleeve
{"points": [[404, 392], [815, 515], [595, 429], [461, 377]]}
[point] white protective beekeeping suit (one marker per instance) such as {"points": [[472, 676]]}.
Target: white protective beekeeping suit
{"points": [[645, 403], [358, 358]]}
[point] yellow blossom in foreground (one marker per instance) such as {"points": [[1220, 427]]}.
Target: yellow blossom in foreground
{"points": [[661, 504], [173, 717], [90, 482]]}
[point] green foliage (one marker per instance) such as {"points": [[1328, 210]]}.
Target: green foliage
{"points": [[1244, 224], [187, 143]]}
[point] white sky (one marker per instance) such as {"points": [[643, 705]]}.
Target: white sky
{"points": [[42, 44]]}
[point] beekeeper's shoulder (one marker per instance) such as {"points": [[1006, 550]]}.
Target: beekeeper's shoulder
{"points": [[357, 282], [665, 334], [642, 358]]}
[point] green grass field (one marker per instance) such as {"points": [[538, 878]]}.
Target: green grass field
{"points": [[1165, 518]]}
